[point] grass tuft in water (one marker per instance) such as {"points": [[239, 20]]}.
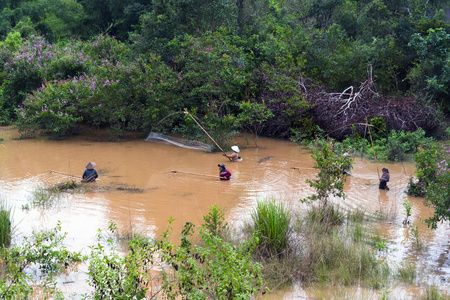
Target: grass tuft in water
{"points": [[43, 197], [433, 293], [272, 222], [324, 218], [5, 224], [406, 272]]}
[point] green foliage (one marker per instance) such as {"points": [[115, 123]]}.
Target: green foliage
{"points": [[271, 222], [330, 179], [414, 233], [42, 249], [407, 272], [433, 180], [216, 270], [114, 276], [408, 206], [214, 221], [340, 255], [252, 116], [394, 145], [434, 293], [432, 67], [5, 224]]}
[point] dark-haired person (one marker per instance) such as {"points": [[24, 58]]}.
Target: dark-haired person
{"points": [[90, 174], [224, 174], [384, 179]]}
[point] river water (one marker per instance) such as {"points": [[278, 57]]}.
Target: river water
{"points": [[265, 172]]}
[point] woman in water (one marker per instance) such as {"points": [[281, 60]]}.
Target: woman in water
{"points": [[224, 174], [384, 179]]}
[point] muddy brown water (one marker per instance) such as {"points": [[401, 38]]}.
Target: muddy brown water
{"points": [[264, 173]]}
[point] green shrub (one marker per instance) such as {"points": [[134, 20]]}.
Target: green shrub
{"points": [[43, 249], [217, 270], [214, 221]]}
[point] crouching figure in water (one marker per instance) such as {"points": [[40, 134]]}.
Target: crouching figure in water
{"points": [[384, 179], [235, 156], [224, 174], [90, 174]]}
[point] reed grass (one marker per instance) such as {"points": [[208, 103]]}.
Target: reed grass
{"points": [[334, 254], [5, 224], [272, 222], [406, 272], [434, 293]]}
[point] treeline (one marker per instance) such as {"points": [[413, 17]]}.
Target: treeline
{"points": [[290, 68]]}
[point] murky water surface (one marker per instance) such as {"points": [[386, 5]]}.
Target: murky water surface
{"points": [[264, 172]]}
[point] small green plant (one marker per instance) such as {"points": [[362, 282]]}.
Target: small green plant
{"points": [[384, 293], [381, 246], [214, 220], [407, 205], [414, 232], [271, 221]]}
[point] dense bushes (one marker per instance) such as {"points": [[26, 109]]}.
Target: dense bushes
{"points": [[433, 181]]}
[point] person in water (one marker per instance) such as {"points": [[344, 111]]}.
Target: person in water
{"points": [[384, 179], [224, 174], [235, 155], [90, 174]]}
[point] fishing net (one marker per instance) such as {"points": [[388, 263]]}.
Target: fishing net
{"points": [[189, 144]]}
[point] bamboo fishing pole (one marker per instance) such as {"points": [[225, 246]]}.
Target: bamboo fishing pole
{"points": [[191, 173], [186, 112]]}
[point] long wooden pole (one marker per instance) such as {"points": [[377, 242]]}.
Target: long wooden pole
{"points": [[186, 112], [191, 173]]}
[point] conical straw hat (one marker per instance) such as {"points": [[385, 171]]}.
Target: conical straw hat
{"points": [[91, 165], [235, 149]]}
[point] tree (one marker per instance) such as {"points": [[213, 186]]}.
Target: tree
{"points": [[330, 180], [433, 174], [252, 116]]}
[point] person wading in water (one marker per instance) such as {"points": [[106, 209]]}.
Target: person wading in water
{"points": [[384, 179], [224, 174], [235, 155], [90, 174]]}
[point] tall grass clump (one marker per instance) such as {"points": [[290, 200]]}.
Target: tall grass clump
{"points": [[5, 224], [271, 221]]}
